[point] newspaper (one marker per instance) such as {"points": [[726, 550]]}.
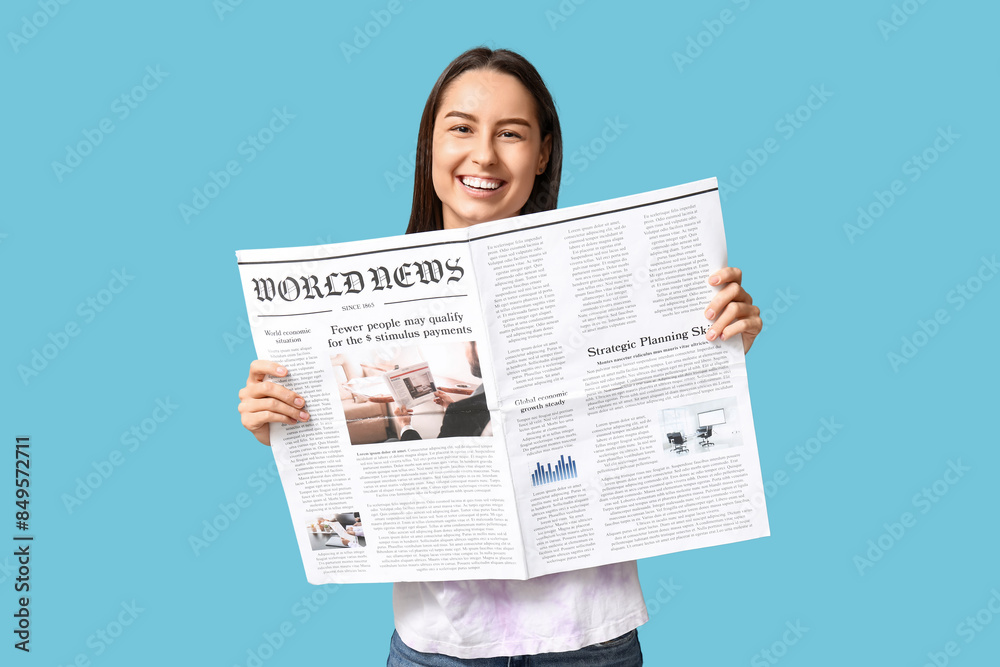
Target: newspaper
{"points": [[514, 399]]}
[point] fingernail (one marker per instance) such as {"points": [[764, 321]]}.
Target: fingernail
{"points": [[299, 402], [711, 334], [303, 415], [714, 280], [710, 314], [281, 370]]}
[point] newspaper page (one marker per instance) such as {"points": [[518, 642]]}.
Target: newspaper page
{"points": [[629, 434], [523, 397], [367, 331]]}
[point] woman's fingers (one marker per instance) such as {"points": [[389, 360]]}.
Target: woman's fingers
{"points": [[258, 386], [261, 368], [254, 421], [737, 317], [263, 402], [268, 389], [271, 406], [732, 308], [730, 293], [727, 274], [745, 327]]}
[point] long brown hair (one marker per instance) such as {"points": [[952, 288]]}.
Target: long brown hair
{"points": [[426, 212]]}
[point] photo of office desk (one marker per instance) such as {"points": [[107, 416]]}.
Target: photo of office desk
{"points": [[700, 428]]}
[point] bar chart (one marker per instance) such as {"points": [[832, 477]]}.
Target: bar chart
{"points": [[565, 468]]}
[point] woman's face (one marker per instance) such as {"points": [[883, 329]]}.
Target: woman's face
{"points": [[487, 148]]}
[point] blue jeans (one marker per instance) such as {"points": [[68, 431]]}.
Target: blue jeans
{"points": [[620, 652]]}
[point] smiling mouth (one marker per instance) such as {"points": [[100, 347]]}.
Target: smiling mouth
{"points": [[482, 184]]}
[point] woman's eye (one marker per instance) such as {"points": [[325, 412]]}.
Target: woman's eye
{"points": [[507, 134], [464, 129]]}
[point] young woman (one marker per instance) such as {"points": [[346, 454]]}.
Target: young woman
{"points": [[489, 147]]}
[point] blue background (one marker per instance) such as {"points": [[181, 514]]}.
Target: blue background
{"points": [[836, 304]]}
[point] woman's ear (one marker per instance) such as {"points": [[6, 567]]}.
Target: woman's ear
{"points": [[543, 155]]}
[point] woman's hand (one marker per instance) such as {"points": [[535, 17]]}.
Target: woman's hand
{"points": [[732, 309], [263, 401]]}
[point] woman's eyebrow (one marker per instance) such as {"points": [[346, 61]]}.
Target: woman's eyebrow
{"points": [[504, 121]]}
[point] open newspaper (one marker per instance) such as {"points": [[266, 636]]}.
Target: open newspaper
{"points": [[518, 398]]}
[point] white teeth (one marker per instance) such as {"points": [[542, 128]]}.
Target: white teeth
{"points": [[480, 183]]}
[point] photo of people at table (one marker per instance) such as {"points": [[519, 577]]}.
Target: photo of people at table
{"points": [[418, 391], [336, 530]]}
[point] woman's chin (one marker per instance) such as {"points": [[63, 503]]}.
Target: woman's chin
{"points": [[477, 215]]}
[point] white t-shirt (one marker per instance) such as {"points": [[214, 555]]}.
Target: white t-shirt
{"points": [[489, 618]]}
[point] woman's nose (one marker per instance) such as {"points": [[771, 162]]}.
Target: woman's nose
{"points": [[484, 153]]}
